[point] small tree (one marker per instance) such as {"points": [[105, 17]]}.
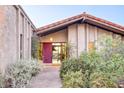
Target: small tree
{"points": [[35, 47]]}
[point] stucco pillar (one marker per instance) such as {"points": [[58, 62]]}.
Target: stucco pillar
{"points": [[72, 40], [87, 37], [96, 37], [24, 39], [29, 54], [81, 38], [18, 34]]}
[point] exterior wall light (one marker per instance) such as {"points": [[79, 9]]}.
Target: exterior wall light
{"points": [[51, 39]]}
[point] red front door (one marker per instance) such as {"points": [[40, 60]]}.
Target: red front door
{"points": [[47, 52]]}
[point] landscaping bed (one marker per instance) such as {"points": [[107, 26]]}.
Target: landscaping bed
{"points": [[19, 74], [103, 68]]}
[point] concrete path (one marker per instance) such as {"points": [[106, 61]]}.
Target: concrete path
{"points": [[47, 78]]}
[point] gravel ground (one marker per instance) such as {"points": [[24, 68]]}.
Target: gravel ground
{"points": [[47, 78]]}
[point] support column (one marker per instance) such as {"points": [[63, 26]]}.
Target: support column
{"points": [[29, 41], [96, 37], [72, 40], [81, 38], [18, 34], [87, 37], [24, 38]]}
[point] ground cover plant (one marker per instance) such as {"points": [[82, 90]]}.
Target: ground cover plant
{"points": [[19, 74]]}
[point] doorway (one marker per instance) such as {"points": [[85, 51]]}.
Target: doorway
{"points": [[58, 52], [47, 53], [54, 53]]}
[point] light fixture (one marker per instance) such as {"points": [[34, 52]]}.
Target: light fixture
{"points": [[51, 39]]}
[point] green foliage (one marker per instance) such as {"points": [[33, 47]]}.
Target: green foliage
{"points": [[1, 81], [19, 74], [35, 47], [110, 46], [91, 61], [103, 67], [101, 80], [70, 65], [73, 79]]}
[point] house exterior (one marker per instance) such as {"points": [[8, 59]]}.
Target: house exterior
{"points": [[15, 35], [81, 31]]}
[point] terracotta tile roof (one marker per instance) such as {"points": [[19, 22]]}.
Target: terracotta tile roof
{"points": [[104, 21], [60, 22], [79, 17]]}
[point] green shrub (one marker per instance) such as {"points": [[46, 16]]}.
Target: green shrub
{"points": [[90, 60], [73, 79], [20, 73], [103, 67], [34, 66], [70, 65], [110, 46], [2, 84], [102, 80], [35, 47], [87, 63], [96, 71], [100, 72]]}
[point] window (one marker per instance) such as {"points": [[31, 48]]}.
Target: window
{"points": [[91, 45]]}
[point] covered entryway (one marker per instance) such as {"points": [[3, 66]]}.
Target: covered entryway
{"points": [[54, 52], [53, 46]]}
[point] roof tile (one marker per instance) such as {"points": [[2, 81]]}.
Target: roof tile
{"points": [[84, 15]]}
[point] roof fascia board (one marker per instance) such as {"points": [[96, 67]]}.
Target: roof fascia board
{"points": [[103, 23], [97, 23], [67, 23]]}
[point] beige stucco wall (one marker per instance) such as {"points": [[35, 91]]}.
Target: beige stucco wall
{"points": [[59, 36], [12, 24], [8, 47], [79, 37], [73, 40], [91, 35], [103, 32]]}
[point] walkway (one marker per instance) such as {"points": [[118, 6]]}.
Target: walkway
{"points": [[48, 78]]}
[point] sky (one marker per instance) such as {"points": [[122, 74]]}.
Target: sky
{"points": [[42, 15]]}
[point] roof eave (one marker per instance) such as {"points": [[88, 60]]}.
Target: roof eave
{"points": [[58, 26], [105, 26], [82, 18]]}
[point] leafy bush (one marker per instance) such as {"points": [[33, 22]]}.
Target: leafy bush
{"points": [[100, 68], [70, 65], [19, 74], [110, 46], [99, 72], [35, 47], [73, 79], [91, 61], [102, 80], [1, 81]]}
